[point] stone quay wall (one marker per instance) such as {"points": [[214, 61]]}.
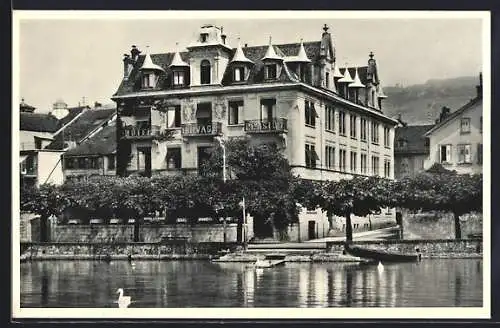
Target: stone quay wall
{"points": [[441, 248], [148, 233], [122, 251]]}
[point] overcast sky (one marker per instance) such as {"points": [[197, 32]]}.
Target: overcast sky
{"points": [[71, 59]]}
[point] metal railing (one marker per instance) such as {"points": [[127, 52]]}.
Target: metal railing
{"points": [[137, 132], [266, 126], [201, 129]]}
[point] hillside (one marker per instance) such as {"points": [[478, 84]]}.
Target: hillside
{"points": [[421, 103]]}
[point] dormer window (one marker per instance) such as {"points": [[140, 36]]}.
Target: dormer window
{"points": [[204, 37], [148, 80], [271, 71], [239, 74], [178, 78], [205, 71]]}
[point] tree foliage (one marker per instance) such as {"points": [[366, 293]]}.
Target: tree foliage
{"points": [[446, 192], [260, 174], [359, 196]]}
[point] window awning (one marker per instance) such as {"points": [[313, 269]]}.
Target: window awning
{"points": [[22, 158]]}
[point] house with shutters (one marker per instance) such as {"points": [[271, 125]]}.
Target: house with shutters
{"points": [[456, 141], [327, 117]]}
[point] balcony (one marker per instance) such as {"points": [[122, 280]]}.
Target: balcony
{"points": [[201, 129], [275, 125]]}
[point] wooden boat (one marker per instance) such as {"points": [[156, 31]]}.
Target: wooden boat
{"points": [[270, 260], [379, 255]]}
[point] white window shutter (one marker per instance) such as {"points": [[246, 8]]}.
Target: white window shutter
{"points": [[171, 117], [448, 153], [152, 80], [240, 114]]}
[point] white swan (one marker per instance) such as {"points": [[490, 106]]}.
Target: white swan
{"points": [[380, 267], [123, 301]]}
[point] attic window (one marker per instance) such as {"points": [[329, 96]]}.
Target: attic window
{"points": [[271, 71], [204, 37], [239, 74], [148, 80], [178, 78]]}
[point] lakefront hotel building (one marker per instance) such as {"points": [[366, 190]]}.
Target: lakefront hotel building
{"points": [[326, 116]]}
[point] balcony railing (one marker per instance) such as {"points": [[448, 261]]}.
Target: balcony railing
{"points": [[266, 126], [143, 133], [200, 129]]}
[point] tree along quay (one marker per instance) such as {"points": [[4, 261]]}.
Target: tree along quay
{"points": [[261, 176], [332, 252]]}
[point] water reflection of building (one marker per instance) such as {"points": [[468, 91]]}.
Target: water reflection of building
{"points": [[249, 287], [320, 296], [303, 286]]}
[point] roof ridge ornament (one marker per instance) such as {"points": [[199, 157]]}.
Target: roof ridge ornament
{"points": [[301, 55], [357, 81], [239, 55], [271, 53], [347, 78], [148, 63], [177, 60]]}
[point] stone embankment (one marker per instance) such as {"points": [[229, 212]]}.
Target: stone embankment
{"points": [[332, 252]]}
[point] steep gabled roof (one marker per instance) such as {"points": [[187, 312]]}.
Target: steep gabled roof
{"points": [[102, 143], [82, 126], [38, 122], [476, 101], [255, 54], [414, 137]]}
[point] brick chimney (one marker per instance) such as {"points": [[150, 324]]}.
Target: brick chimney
{"points": [[135, 53], [445, 111], [479, 88]]}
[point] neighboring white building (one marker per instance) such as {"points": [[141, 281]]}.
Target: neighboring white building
{"points": [[39, 166], [456, 142]]}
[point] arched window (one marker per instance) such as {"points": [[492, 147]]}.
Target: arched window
{"points": [[205, 72]]}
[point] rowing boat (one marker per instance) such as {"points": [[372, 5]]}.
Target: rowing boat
{"points": [[381, 256]]}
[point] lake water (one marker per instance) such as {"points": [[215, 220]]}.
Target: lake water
{"points": [[431, 283]]}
